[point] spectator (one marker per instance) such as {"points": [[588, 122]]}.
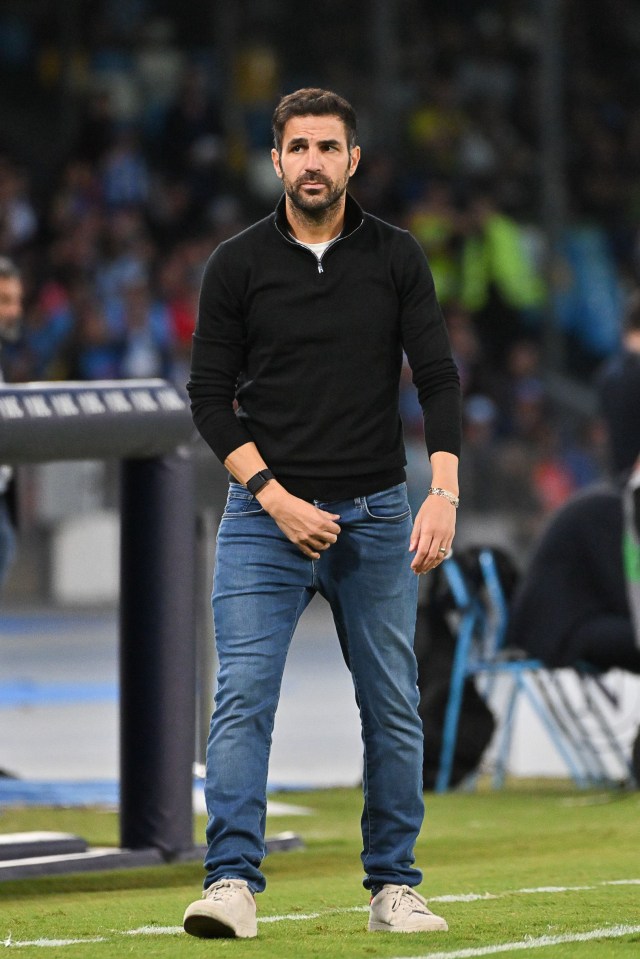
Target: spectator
{"points": [[47, 326], [147, 334], [18, 219], [95, 350], [436, 225], [179, 284], [500, 283], [192, 143], [77, 197], [124, 173], [97, 127], [480, 453], [475, 375], [127, 251]]}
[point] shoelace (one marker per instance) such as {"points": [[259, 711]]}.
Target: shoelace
{"points": [[402, 896], [223, 889]]}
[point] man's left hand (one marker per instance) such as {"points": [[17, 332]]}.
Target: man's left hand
{"points": [[432, 534]]}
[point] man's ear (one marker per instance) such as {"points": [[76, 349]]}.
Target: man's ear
{"points": [[275, 159], [354, 160]]}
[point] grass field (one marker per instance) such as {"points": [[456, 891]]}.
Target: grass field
{"points": [[546, 869]]}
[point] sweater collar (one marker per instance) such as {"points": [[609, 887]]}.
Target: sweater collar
{"points": [[353, 217]]}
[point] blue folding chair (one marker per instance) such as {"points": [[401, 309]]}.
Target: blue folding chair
{"points": [[480, 653]]}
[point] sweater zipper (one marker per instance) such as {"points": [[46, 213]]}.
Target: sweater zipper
{"points": [[335, 243], [319, 259]]}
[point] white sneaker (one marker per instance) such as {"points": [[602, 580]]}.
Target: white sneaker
{"points": [[402, 909], [227, 910]]}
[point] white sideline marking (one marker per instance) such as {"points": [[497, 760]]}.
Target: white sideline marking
{"points": [[173, 930], [526, 891], [291, 918], [469, 897], [48, 943], [612, 932]]}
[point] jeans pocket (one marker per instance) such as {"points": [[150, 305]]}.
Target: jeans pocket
{"points": [[240, 502], [389, 505]]}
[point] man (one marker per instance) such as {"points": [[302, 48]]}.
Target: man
{"points": [[302, 320], [10, 315]]}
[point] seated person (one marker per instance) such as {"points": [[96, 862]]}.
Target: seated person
{"points": [[572, 604]]}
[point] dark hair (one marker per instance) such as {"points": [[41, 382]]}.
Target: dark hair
{"points": [[631, 321], [312, 101], [8, 269]]}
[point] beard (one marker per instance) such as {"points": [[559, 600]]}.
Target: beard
{"points": [[316, 207]]}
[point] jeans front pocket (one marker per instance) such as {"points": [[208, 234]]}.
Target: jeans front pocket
{"points": [[389, 505], [240, 502]]}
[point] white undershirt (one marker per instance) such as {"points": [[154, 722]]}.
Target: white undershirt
{"points": [[317, 248]]}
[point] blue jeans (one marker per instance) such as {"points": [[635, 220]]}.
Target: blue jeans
{"points": [[262, 584]]}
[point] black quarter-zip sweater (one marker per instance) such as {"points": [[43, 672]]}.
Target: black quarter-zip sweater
{"points": [[312, 352]]}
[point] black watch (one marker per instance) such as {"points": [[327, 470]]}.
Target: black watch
{"points": [[255, 484]]}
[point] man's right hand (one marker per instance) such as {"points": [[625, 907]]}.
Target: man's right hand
{"points": [[311, 529]]}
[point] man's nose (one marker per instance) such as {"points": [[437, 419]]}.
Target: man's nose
{"points": [[314, 160]]}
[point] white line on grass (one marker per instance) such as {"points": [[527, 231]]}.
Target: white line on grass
{"points": [[470, 896], [611, 932], [174, 930], [462, 897], [48, 943], [473, 897], [293, 917]]}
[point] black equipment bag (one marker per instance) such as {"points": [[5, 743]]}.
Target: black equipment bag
{"points": [[435, 647]]}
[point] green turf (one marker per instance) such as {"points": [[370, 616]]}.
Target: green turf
{"points": [[495, 843]]}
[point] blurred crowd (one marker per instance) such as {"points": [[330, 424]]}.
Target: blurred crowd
{"points": [[166, 160]]}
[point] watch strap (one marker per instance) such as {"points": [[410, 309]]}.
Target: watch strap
{"points": [[258, 480]]}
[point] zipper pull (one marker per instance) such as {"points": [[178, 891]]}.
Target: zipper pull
{"points": [[320, 270]]}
